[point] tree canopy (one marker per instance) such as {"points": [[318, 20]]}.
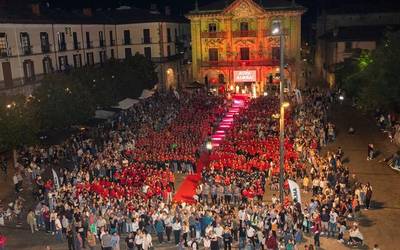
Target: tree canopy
{"points": [[374, 79]]}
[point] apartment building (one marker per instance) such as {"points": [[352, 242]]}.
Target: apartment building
{"points": [[44, 40]]}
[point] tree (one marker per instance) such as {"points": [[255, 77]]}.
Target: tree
{"points": [[61, 102], [376, 84], [18, 124]]}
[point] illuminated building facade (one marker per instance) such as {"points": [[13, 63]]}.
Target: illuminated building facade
{"points": [[233, 44]]}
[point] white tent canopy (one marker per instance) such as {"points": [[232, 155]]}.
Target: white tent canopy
{"points": [[103, 114], [146, 94], [127, 103]]}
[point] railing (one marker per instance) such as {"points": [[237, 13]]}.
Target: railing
{"points": [[112, 42], [102, 43], [244, 33], [26, 50], [77, 45], [89, 44], [240, 63], [146, 40], [46, 48], [5, 52], [62, 46], [126, 41], [269, 32], [206, 34]]}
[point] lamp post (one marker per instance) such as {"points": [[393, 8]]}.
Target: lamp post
{"points": [[277, 30]]}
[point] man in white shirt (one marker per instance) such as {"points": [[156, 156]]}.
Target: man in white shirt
{"points": [[332, 223]]}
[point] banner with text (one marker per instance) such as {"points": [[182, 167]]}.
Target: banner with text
{"points": [[245, 75], [295, 190]]}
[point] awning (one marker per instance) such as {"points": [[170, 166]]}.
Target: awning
{"points": [[126, 103], [146, 94], [103, 114]]}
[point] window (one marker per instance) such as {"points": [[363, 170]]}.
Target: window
{"points": [[112, 53], [169, 35], [147, 52], [146, 36], [127, 37], [47, 66], [128, 52], [212, 27], [168, 50], [88, 42], [348, 46], [112, 42], [102, 41], [75, 41], [25, 43], [276, 53], [89, 58], [29, 71], [63, 62], [3, 45], [62, 45], [213, 54], [103, 57], [244, 54], [77, 60], [244, 26], [44, 42]]}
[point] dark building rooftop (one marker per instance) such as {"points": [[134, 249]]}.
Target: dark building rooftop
{"points": [[358, 33], [220, 5], [116, 16]]}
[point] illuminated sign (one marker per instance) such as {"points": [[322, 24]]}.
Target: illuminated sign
{"points": [[245, 76]]}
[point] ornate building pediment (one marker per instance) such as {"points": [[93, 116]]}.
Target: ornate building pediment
{"points": [[243, 9]]}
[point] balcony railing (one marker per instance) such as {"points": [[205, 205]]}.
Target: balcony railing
{"points": [[89, 44], [77, 45], [126, 41], [26, 50], [62, 46], [146, 40], [219, 34], [269, 32], [46, 48], [112, 42], [244, 33], [5, 52], [102, 43], [240, 63]]}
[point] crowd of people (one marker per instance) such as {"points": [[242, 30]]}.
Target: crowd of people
{"points": [[121, 178]]}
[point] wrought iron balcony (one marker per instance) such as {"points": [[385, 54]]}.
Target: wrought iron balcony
{"points": [[244, 33], [219, 34], [241, 63]]}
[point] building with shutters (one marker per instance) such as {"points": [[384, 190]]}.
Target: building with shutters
{"points": [[233, 44], [39, 41]]}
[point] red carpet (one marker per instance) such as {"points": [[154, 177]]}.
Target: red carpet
{"points": [[188, 187], [187, 190]]}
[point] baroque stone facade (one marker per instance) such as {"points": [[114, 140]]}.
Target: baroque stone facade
{"points": [[229, 38]]}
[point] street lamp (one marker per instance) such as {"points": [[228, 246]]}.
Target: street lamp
{"points": [[278, 30], [282, 148]]}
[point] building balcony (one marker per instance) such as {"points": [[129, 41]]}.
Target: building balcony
{"points": [[102, 43], [77, 46], [112, 42], [5, 52], [26, 50], [269, 32], [89, 44], [206, 34], [244, 33], [241, 63], [146, 40], [62, 46], [126, 41]]}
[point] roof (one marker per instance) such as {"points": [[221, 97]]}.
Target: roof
{"points": [[115, 16], [358, 33], [220, 5]]}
